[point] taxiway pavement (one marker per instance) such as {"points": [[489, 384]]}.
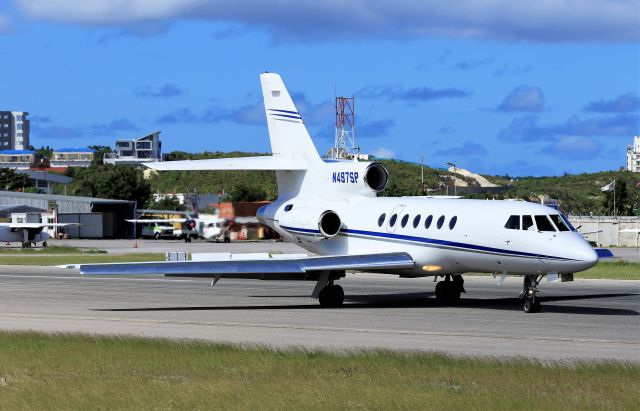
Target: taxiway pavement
{"points": [[585, 319]]}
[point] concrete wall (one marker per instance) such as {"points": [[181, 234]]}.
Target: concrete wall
{"points": [[605, 230]]}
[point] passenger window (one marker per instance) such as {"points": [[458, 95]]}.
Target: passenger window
{"points": [[452, 222], [427, 221], [527, 223], [404, 220], [416, 221], [392, 220], [288, 207], [381, 219], [543, 223], [559, 222], [440, 222], [513, 223]]}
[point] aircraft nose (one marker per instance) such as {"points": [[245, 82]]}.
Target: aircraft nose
{"points": [[585, 256]]}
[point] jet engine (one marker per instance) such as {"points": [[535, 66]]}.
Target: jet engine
{"points": [[310, 223], [376, 177]]}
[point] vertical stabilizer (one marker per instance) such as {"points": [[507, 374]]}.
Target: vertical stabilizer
{"points": [[288, 135]]}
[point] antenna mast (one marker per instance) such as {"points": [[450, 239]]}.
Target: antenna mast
{"points": [[344, 146]]}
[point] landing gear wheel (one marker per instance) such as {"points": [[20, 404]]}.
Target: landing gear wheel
{"points": [[531, 306], [448, 292], [331, 296], [528, 294], [44, 244], [156, 236], [26, 244]]}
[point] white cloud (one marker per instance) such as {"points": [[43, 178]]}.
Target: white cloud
{"points": [[542, 20], [383, 152], [5, 24]]}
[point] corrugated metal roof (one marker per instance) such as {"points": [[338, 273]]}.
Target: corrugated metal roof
{"points": [[58, 197], [44, 176]]}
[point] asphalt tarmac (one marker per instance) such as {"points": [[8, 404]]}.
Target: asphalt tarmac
{"points": [[585, 319]]}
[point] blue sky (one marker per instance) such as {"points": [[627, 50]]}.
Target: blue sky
{"points": [[499, 87]]}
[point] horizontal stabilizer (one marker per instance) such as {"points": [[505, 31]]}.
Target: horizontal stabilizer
{"points": [[236, 163], [269, 269]]}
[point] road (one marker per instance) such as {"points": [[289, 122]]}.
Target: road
{"points": [[586, 319]]}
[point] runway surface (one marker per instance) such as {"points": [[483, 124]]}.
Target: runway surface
{"points": [[586, 319]]}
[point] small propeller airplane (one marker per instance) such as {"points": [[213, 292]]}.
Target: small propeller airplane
{"points": [[29, 234], [331, 208]]}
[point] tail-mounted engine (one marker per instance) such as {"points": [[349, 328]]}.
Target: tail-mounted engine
{"points": [[310, 224], [376, 177]]}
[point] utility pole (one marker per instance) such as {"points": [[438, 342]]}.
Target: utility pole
{"points": [[422, 173]]}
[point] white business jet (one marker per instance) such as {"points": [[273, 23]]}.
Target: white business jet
{"points": [[331, 208], [27, 233]]}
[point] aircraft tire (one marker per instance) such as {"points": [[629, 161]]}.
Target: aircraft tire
{"points": [[531, 305], [331, 296], [447, 292], [44, 244]]}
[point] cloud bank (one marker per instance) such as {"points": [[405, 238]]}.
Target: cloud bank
{"points": [[540, 21]]}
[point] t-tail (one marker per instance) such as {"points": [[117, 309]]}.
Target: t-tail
{"points": [[295, 159]]}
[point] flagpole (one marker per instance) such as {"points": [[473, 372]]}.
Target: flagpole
{"points": [[615, 216]]}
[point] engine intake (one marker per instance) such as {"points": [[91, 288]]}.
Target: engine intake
{"points": [[376, 177], [329, 223]]}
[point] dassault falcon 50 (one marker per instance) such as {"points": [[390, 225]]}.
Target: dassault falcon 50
{"points": [[331, 208]]}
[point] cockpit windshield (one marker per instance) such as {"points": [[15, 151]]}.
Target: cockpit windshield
{"points": [[543, 223], [567, 222], [559, 222]]}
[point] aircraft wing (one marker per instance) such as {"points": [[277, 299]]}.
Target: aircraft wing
{"points": [[270, 269], [631, 230], [236, 163]]}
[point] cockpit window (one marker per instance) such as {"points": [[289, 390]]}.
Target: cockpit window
{"points": [[543, 223], [527, 223], [559, 222], [513, 223]]}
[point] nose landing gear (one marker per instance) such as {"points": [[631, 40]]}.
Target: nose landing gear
{"points": [[528, 294]]}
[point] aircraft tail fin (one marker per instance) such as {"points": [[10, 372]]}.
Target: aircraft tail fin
{"points": [[288, 135]]}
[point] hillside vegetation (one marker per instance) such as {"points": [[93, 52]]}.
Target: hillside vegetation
{"points": [[576, 194]]}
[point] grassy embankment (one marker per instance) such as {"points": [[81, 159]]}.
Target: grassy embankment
{"points": [[82, 372]]}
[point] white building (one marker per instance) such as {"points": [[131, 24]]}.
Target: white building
{"points": [[72, 157], [14, 130], [633, 155], [137, 151]]}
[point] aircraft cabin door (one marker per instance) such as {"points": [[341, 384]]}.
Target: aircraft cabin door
{"points": [[394, 218]]}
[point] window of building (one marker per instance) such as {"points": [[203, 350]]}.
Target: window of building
{"points": [[513, 223], [427, 221], [440, 222], [381, 219], [559, 222], [392, 220], [404, 221], [18, 117], [416, 221], [527, 223], [543, 223], [452, 222]]}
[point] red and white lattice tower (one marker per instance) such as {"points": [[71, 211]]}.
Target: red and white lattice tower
{"points": [[344, 146]]}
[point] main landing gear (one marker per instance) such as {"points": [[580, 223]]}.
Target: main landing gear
{"points": [[448, 291], [329, 295], [528, 294]]}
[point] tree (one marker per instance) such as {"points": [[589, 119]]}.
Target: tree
{"points": [[12, 181], [166, 203], [100, 151], [247, 193], [108, 181]]}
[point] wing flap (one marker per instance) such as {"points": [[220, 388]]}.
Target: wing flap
{"points": [[274, 269], [236, 163]]}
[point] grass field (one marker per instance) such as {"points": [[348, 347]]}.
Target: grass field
{"points": [[613, 270], [81, 372], [50, 250]]}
